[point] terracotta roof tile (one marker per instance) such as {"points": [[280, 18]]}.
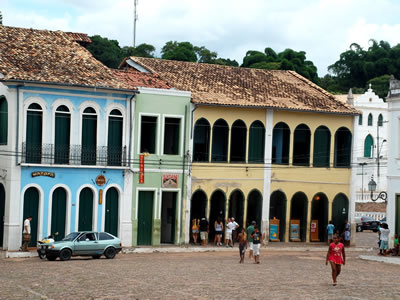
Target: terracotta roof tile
{"points": [[51, 57], [233, 86], [134, 79]]}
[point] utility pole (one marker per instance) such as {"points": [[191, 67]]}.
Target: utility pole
{"points": [[362, 179], [378, 149], [1, 18], [135, 17]]}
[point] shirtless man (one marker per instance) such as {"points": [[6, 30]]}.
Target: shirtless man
{"points": [[242, 245]]}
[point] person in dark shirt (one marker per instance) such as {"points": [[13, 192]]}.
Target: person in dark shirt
{"points": [[203, 231], [257, 241]]}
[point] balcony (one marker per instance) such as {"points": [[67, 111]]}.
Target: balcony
{"points": [[76, 155]]}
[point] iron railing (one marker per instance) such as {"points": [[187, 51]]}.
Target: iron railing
{"points": [[73, 155]]}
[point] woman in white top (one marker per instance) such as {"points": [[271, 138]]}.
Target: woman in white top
{"points": [[384, 237]]}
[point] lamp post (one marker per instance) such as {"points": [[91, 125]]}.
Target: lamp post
{"points": [[362, 179], [372, 189]]}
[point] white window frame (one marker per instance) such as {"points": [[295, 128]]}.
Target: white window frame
{"points": [[181, 133], [157, 132]]}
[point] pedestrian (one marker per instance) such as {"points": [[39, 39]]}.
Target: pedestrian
{"points": [[26, 234], [218, 226], [257, 241], [336, 257], [195, 230], [204, 228], [347, 234], [242, 244], [384, 238], [249, 232], [331, 229], [230, 226], [234, 237]]}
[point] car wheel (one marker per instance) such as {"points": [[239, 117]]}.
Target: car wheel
{"points": [[42, 255], [359, 229], [110, 252], [65, 254], [96, 256], [51, 257]]}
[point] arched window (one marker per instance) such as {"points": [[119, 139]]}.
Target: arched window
{"points": [[368, 146], [238, 141], [256, 142], [380, 120], [34, 134], [3, 120], [370, 120], [89, 136], [220, 141], [114, 146], [62, 135], [322, 146], [360, 119], [201, 140], [280, 143], [301, 145], [343, 147]]}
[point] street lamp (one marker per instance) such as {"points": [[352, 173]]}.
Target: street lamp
{"points": [[372, 189]]}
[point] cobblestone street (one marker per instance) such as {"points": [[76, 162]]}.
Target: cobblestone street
{"points": [[281, 274]]}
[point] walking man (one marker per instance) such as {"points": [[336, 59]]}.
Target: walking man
{"points": [[249, 232], [26, 234], [331, 229], [236, 226], [204, 231]]}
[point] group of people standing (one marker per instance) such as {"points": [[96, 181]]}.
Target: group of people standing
{"points": [[343, 236]]}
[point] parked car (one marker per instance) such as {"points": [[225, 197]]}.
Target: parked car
{"points": [[368, 223], [383, 220], [87, 243]]}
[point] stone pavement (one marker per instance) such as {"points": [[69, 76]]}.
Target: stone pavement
{"points": [[209, 275]]}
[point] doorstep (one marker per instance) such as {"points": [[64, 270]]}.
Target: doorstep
{"points": [[385, 259]]}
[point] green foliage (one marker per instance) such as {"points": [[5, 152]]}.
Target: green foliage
{"points": [[380, 85], [142, 50], [226, 62], [105, 50], [183, 51], [286, 60], [204, 55]]}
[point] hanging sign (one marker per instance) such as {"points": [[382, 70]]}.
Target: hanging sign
{"points": [[100, 180], [141, 168], [295, 230], [170, 180]]}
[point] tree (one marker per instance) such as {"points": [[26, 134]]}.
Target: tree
{"points": [[183, 51], [105, 50], [380, 85], [204, 55], [142, 50], [226, 62]]}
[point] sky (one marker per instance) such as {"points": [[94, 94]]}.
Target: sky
{"points": [[322, 28]]}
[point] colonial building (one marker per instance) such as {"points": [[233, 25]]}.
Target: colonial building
{"points": [[268, 146], [393, 175]]}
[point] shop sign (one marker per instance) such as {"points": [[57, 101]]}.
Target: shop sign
{"points": [[141, 168], [100, 180], [170, 180], [295, 230], [43, 173]]}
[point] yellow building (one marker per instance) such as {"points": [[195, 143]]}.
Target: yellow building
{"points": [[266, 145]]}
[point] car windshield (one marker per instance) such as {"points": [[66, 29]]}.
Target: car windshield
{"points": [[71, 236], [368, 219]]}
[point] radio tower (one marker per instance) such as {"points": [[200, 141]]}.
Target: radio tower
{"points": [[135, 17]]}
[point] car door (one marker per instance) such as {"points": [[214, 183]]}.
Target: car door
{"points": [[86, 244]]}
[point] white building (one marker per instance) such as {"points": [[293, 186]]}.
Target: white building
{"points": [[393, 175]]}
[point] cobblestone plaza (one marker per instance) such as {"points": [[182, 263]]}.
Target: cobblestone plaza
{"points": [[281, 275]]}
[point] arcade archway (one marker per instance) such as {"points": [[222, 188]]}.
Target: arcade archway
{"points": [[254, 207], [277, 210], [217, 210], [298, 212], [319, 212]]}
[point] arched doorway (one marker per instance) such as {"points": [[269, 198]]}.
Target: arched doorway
{"points": [[340, 211], [217, 210], [343, 139], [238, 141], [277, 210], [220, 141], [236, 207], [58, 213], [2, 212], [85, 210], [111, 213], [280, 144], [31, 208], [298, 211], [301, 145], [319, 211], [201, 140], [254, 207], [197, 208]]}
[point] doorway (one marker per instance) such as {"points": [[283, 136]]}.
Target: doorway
{"points": [[340, 211], [298, 211], [168, 217], [2, 212], [254, 208], [217, 211], [319, 212], [236, 208], [58, 213], [31, 208], [145, 218], [111, 213], [277, 210], [85, 210]]}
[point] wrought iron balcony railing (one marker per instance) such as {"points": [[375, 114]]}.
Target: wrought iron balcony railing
{"points": [[73, 155]]}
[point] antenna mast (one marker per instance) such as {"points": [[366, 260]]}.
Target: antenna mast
{"points": [[135, 17]]}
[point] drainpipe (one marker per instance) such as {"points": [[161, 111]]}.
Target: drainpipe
{"points": [[183, 173], [130, 130]]}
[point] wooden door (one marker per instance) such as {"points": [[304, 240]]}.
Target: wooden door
{"points": [[58, 213], [31, 208], [145, 218], [111, 214]]}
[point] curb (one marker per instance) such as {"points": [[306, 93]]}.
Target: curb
{"points": [[384, 259]]}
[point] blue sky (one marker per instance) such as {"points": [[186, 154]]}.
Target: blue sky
{"points": [[321, 28]]}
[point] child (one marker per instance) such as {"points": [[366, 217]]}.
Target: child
{"points": [[336, 257], [257, 240], [384, 237], [242, 245]]}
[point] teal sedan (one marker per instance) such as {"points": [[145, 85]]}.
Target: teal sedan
{"points": [[87, 243]]}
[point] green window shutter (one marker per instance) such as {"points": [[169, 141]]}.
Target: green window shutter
{"points": [[114, 156], [360, 119], [201, 140], [370, 120], [368, 143], [89, 139], [58, 213], [85, 221], [111, 214], [322, 144], [238, 141], [34, 134], [62, 138], [256, 142], [380, 120], [3, 121], [220, 141]]}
